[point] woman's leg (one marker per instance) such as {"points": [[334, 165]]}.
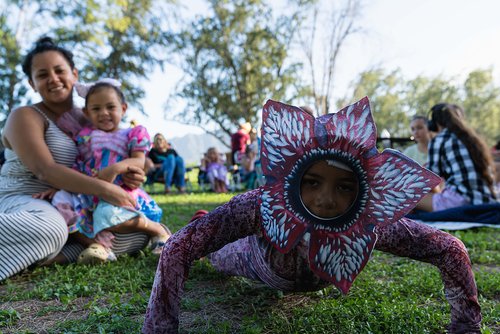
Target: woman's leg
{"points": [[168, 169], [32, 231], [423, 243], [180, 174]]}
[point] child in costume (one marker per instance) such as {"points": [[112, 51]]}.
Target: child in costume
{"points": [[330, 198], [106, 151]]}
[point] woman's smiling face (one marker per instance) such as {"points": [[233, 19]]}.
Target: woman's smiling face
{"points": [[52, 77]]}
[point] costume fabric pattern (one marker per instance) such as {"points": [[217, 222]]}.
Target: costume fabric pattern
{"points": [[449, 158], [97, 150]]}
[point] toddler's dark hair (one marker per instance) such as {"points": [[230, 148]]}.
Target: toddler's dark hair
{"points": [[100, 85]]}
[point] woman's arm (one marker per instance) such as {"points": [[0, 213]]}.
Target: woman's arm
{"points": [[24, 133], [232, 221]]}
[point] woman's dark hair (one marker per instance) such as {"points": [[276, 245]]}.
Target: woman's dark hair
{"points": [[100, 85], [45, 44], [451, 116]]}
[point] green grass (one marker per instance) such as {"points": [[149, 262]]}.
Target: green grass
{"points": [[391, 295]]}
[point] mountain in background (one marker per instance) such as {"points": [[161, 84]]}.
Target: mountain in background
{"points": [[191, 147]]}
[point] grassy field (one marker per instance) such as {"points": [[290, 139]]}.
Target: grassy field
{"points": [[391, 295]]}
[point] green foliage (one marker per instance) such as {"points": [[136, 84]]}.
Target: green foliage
{"points": [[391, 295], [235, 58], [126, 40], [11, 88], [117, 39], [8, 317], [395, 99]]}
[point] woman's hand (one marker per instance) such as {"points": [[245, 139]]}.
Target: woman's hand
{"points": [[134, 177], [117, 196]]}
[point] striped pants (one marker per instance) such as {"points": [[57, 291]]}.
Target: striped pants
{"points": [[33, 231]]}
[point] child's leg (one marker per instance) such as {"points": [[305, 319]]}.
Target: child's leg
{"points": [[424, 243], [141, 224]]}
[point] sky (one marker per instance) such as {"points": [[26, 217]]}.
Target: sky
{"points": [[424, 37]]}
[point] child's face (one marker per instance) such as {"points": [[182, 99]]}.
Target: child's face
{"points": [[105, 110], [328, 191], [212, 155]]}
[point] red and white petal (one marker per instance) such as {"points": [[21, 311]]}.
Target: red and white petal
{"points": [[352, 129], [281, 228], [397, 184], [287, 132], [340, 257]]}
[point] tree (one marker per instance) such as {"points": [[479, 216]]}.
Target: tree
{"points": [[12, 89], [113, 38], [482, 104], [338, 24], [395, 100], [235, 59], [125, 40], [387, 99]]}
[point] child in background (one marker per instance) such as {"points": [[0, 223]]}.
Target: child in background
{"points": [[106, 151], [216, 171], [330, 198]]}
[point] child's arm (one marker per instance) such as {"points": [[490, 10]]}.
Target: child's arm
{"points": [[137, 159], [232, 221]]}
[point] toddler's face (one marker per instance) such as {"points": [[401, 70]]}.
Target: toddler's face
{"points": [[105, 110], [213, 155], [328, 191]]}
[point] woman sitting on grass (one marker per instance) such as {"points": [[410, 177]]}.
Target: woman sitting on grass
{"points": [[461, 158], [106, 151], [39, 155], [330, 198]]}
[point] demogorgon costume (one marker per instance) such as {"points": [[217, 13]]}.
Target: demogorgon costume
{"points": [[269, 235]]}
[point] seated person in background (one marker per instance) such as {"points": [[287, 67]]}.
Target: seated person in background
{"points": [[239, 141], [421, 135], [496, 158], [461, 158], [248, 173], [216, 171], [166, 164]]}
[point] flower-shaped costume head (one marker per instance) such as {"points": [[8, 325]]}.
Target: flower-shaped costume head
{"points": [[389, 185]]}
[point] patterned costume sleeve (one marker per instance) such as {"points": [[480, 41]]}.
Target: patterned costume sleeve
{"points": [[138, 139], [424, 243], [232, 221]]}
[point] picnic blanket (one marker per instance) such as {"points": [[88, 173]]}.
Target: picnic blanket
{"points": [[461, 218]]}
